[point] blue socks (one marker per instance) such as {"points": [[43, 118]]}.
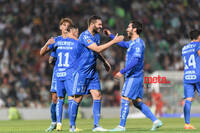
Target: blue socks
{"points": [[69, 106], [53, 112], [145, 110], [140, 105], [124, 112], [96, 112], [186, 109], [59, 110], [74, 111]]}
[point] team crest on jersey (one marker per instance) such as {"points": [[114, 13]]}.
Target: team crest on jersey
{"points": [[88, 40], [137, 49]]}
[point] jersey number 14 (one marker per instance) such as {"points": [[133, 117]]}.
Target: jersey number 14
{"points": [[191, 62]]}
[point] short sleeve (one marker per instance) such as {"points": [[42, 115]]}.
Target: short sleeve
{"points": [[87, 40], [52, 46], [198, 47], [53, 54]]}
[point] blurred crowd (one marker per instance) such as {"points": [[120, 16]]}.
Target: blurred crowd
{"points": [[25, 26]]}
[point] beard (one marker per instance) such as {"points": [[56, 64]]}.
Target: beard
{"points": [[96, 30], [129, 35]]}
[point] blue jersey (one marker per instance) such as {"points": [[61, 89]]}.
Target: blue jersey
{"points": [[67, 51], [53, 54], [53, 81], [191, 62], [89, 67], [134, 49]]}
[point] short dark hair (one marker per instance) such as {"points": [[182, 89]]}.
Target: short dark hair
{"points": [[71, 27], [63, 20], [138, 25], [194, 34], [93, 19]]}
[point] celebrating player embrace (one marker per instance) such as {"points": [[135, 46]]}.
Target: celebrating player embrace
{"points": [[86, 78], [76, 72]]}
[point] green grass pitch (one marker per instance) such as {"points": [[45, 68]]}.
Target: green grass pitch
{"points": [[171, 125]]}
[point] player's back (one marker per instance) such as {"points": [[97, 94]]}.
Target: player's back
{"points": [[191, 62], [135, 49], [67, 51]]}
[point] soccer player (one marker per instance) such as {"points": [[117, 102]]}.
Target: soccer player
{"points": [[133, 87], [86, 79], [191, 79], [57, 115], [53, 89]]}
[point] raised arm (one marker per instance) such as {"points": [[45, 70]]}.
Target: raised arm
{"points": [[93, 46], [121, 43], [46, 48]]}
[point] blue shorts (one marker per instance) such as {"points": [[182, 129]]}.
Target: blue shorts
{"points": [[83, 85], [189, 89], [53, 84], [63, 87], [133, 88]]}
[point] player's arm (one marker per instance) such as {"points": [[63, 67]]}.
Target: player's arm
{"points": [[103, 47], [132, 64], [198, 52], [134, 61], [105, 62], [198, 49], [52, 58], [46, 48], [109, 34]]}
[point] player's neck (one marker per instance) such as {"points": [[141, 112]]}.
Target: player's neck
{"points": [[71, 36], [91, 31], [194, 41], [64, 35], [134, 37]]}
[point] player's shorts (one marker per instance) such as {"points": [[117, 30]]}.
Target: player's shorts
{"points": [[63, 87], [189, 89], [133, 88], [53, 84], [83, 85]]}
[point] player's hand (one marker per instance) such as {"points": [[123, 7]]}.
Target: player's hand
{"points": [[118, 38], [50, 41], [107, 66], [107, 32], [73, 37], [118, 75]]}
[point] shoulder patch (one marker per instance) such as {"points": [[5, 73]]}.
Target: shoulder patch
{"points": [[137, 49]]}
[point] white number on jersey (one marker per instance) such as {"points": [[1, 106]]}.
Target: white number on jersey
{"points": [[191, 62], [66, 58]]}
